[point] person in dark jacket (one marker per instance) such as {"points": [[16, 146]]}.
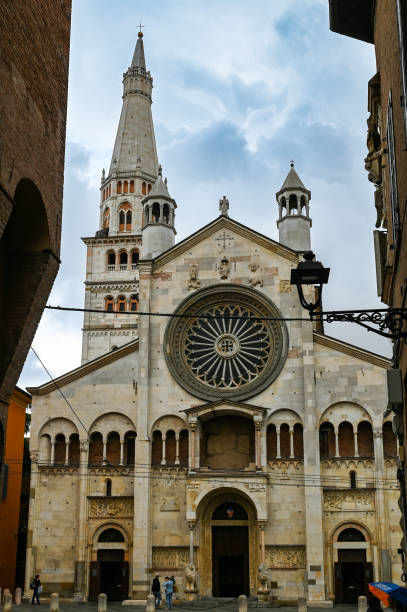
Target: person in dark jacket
{"points": [[373, 604], [156, 591], [35, 585]]}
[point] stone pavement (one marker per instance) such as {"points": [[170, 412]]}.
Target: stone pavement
{"points": [[200, 606]]}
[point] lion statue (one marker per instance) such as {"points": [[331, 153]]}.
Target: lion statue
{"points": [[264, 578], [190, 576]]}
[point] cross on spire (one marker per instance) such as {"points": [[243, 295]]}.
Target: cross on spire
{"points": [[140, 33]]}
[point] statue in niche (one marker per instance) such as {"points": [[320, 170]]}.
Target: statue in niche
{"points": [[256, 276], [224, 207], [194, 282], [263, 578], [224, 268], [190, 577]]}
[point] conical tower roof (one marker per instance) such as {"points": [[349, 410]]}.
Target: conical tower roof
{"points": [[159, 189], [138, 60], [135, 149], [293, 182]]}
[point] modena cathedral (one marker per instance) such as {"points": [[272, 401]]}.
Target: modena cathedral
{"points": [[242, 457]]}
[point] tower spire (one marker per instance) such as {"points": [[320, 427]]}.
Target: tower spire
{"points": [[139, 60]]}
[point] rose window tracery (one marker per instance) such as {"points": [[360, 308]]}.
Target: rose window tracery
{"points": [[225, 351], [226, 343]]}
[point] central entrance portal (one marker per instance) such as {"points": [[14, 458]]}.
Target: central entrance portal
{"points": [[230, 551]]}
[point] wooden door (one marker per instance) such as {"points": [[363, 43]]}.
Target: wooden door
{"points": [[338, 582], [124, 591], [94, 580], [368, 575]]}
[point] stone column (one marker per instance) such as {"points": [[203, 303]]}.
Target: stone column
{"points": [[52, 452], [336, 442], [192, 446], [191, 525], [315, 572], [382, 519], [80, 563], [161, 213], [356, 446], [142, 559], [278, 455], [34, 507], [291, 443], [262, 527], [121, 451], [177, 448], [258, 422], [104, 450], [66, 452], [163, 458]]}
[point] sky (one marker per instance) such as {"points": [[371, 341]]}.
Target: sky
{"points": [[239, 90]]}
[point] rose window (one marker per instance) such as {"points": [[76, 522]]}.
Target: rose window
{"points": [[225, 342], [228, 348]]}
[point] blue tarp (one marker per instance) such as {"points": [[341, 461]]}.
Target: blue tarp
{"points": [[393, 590]]}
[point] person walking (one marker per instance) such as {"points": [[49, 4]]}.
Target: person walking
{"points": [[156, 591], [169, 589], [36, 585]]}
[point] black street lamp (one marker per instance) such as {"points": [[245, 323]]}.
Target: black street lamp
{"points": [[391, 322], [310, 272]]}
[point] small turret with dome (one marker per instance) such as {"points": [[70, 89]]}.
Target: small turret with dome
{"points": [[159, 217], [294, 223]]}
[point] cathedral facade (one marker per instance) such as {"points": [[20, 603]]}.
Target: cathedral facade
{"points": [[227, 442]]}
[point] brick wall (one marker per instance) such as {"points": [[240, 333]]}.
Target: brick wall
{"points": [[34, 60]]}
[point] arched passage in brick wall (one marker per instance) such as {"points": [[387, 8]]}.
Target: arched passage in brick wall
{"points": [[27, 271]]}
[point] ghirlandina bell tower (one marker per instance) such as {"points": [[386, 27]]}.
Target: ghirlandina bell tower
{"points": [[113, 253]]}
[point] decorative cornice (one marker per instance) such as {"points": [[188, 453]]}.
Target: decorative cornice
{"points": [[217, 225], [86, 368], [112, 240], [352, 351], [113, 285]]}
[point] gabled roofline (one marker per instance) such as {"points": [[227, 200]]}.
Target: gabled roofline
{"points": [[352, 350], [217, 224], [85, 369]]}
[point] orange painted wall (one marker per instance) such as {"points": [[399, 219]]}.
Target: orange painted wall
{"points": [[10, 507]]}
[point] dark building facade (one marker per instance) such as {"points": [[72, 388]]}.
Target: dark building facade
{"points": [[383, 23], [34, 61]]}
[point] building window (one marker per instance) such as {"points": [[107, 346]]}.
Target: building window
{"points": [[128, 221], [121, 304], [109, 304], [394, 205], [402, 29], [133, 303], [134, 260], [144, 189], [126, 187], [111, 260], [156, 212], [108, 488], [352, 480], [123, 260], [131, 186], [119, 187], [149, 187], [166, 214], [106, 218]]}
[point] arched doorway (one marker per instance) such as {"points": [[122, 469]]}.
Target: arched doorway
{"points": [[228, 544], [230, 551], [352, 570], [110, 572]]}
